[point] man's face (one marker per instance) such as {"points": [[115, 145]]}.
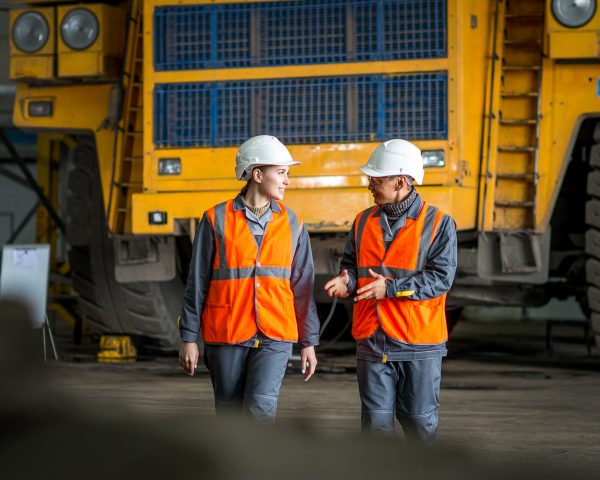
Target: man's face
{"points": [[274, 181], [383, 189]]}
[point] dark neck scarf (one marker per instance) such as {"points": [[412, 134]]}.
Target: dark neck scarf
{"points": [[396, 210]]}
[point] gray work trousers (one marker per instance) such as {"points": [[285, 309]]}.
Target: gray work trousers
{"points": [[247, 379], [409, 388]]}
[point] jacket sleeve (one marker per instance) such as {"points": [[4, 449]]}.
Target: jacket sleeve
{"points": [[196, 289], [348, 261], [302, 283], [439, 271]]}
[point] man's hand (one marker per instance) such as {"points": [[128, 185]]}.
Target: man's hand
{"points": [[375, 290], [307, 355], [338, 286], [188, 357]]}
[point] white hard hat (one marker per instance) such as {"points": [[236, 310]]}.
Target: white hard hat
{"points": [[395, 157], [260, 150]]}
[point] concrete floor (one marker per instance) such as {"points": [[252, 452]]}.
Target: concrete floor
{"points": [[503, 397], [501, 393]]}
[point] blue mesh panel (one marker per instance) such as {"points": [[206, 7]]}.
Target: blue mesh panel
{"points": [[297, 33], [302, 110], [300, 33], [410, 101], [181, 38], [414, 26], [178, 109]]}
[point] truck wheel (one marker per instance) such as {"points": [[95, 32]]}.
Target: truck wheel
{"points": [[592, 239], [145, 310]]}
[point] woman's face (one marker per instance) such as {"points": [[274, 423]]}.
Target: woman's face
{"points": [[273, 180]]}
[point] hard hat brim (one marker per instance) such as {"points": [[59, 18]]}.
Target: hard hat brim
{"points": [[241, 175], [374, 173]]}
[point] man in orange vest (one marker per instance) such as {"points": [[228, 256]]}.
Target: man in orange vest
{"points": [[399, 262]]}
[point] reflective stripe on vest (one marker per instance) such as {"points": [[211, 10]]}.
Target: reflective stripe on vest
{"points": [[406, 320], [250, 286]]}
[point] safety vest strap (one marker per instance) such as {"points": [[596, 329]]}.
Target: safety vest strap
{"points": [[249, 272], [426, 236], [219, 226], [295, 226], [360, 227], [363, 272]]}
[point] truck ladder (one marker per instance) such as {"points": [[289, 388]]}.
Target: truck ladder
{"points": [[514, 119], [128, 165]]}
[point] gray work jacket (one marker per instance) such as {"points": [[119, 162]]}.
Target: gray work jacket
{"points": [[435, 280], [301, 281]]}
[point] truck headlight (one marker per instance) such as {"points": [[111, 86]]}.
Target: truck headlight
{"points": [[169, 166], [433, 158], [79, 28], [30, 32], [39, 108], [157, 218], [573, 13]]}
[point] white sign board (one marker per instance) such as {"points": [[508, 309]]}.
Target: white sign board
{"points": [[24, 277]]}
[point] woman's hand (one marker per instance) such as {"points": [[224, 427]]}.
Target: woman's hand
{"points": [[188, 357], [376, 290], [338, 286], [308, 355]]}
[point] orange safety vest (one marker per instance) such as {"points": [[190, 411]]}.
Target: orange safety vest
{"points": [[250, 286], [406, 320]]}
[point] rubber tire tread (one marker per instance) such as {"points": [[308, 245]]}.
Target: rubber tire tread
{"points": [[593, 183], [592, 244], [146, 310]]}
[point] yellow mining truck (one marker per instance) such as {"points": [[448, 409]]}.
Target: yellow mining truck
{"points": [[502, 96]]}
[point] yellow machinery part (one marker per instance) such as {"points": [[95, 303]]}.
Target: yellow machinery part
{"points": [[102, 58], [116, 349], [39, 65]]}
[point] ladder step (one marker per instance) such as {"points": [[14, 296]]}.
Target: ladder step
{"points": [[128, 184], [521, 67], [515, 148], [124, 210], [134, 134], [518, 121], [529, 42], [133, 159], [512, 204], [518, 94], [517, 176], [523, 16]]}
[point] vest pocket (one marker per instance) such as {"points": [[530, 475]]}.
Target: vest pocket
{"points": [[427, 324], [215, 322]]}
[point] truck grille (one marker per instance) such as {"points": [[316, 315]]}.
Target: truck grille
{"points": [[297, 33], [362, 108]]}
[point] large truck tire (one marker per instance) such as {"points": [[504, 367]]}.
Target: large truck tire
{"points": [[145, 310], [592, 239]]}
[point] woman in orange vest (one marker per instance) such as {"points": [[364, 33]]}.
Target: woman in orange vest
{"points": [[399, 261], [250, 287]]}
